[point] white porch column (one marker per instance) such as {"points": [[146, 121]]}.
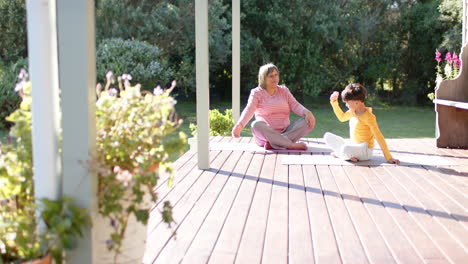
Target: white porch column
{"points": [[42, 49], [235, 60], [77, 65], [202, 75]]}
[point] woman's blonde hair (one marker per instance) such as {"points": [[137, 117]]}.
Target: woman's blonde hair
{"points": [[263, 73]]}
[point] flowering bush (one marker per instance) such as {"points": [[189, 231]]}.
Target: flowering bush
{"points": [[63, 218], [448, 71], [451, 68], [132, 148]]}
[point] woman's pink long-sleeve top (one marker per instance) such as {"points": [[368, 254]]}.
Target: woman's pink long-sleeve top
{"points": [[273, 109]]}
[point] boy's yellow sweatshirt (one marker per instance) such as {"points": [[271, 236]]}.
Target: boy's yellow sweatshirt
{"points": [[362, 128]]}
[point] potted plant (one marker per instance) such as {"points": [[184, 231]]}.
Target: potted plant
{"points": [[20, 240], [133, 147]]}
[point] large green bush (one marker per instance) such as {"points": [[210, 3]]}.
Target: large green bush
{"points": [[12, 30], [170, 25], [139, 59], [9, 100]]}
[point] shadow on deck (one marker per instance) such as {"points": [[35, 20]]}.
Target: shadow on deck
{"points": [[250, 207]]}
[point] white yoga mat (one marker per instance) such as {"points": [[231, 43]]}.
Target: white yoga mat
{"points": [[406, 160], [252, 147]]}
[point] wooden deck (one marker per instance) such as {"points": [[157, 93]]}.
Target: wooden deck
{"points": [[250, 208]]}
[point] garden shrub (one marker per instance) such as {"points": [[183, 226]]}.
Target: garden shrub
{"points": [[139, 59], [220, 124], [13, 30]]}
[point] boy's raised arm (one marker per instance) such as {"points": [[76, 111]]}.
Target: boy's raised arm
{"points": [[337, 109]]}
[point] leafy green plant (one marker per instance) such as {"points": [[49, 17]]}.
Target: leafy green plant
{"points": [[13, 30], [63, 219], [220, 124], [168, 25], [137, 58], [18, 238], [132, 148]]}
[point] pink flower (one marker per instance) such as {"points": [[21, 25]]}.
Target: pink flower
{"points": [[457, 63], [437, 57], [448, 57], [456, 60]]}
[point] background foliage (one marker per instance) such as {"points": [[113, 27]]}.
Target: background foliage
{"points": [[139, 59], [9, 99], [319, 46]]}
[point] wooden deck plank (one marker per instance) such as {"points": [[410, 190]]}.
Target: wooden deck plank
{"points": [[205, 240], [455, 176], [253, 209], [426, 147], [228, 242], [444, 190], [323, 236], [185, 194], [453, 196], [174, 251], [431, 201], [275, 248], [423, 244], [300, 236], [183, 174], [372, 241], [349, 244], [253, 237], [181, 167], [450, 248], [462, 172], [454, 152], [398, 243]]}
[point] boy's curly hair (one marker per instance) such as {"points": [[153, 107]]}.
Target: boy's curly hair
{"points": [[354, 91]]}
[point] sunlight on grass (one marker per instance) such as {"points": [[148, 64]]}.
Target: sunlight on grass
{"points": [[394, 121]]}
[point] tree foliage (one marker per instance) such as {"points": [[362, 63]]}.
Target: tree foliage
{"points": [[13, 43], [170, 26], [319, 46]]}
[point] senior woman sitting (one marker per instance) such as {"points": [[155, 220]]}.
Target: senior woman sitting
{"points": [[271, 104]]}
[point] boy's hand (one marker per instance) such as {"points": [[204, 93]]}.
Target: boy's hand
{"points": [[334, 96], [393, 161]]}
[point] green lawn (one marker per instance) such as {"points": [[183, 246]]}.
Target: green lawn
{"points": [[394, 121]]}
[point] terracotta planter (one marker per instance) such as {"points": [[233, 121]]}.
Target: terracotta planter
{"points": [[153, 167], [44, 260]]}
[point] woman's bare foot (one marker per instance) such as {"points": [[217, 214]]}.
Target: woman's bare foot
{"points": [[334, 154], [267, 145], [353, 159], [298, 146]]}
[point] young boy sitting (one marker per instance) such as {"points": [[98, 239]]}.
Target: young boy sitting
{"points": [[363, 127]]}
